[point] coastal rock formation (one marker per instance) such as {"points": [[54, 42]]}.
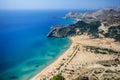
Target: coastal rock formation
{"points": [[59, 31], [99, 24], [75, 29]]}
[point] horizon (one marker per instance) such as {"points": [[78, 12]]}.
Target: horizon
{"points": [[57, 5]]}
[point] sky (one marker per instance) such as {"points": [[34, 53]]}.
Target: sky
{"points": [[58, 4]]}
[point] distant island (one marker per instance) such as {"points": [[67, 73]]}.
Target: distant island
{"points": [[95, 50]]}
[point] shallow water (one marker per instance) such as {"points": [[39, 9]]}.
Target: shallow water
{"points": [[25, 49]]}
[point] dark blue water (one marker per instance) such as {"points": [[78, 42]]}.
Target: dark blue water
{"points": [[24, 47]]}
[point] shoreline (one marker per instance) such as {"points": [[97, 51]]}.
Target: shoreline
{"points": [[54, 64], [77, 56]]}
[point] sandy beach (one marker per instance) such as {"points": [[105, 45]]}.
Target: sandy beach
{"points": [[79, 60], [52, 67]]}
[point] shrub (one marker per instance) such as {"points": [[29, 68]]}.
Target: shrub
{"points": [[57, 77]]}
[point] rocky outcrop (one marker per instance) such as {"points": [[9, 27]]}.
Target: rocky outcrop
{"points": [[54, 32], [61, 32], [75, 29]]}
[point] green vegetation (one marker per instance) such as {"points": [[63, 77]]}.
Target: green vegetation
{"points": [[106, 64], [114, 32], [98, 70], [109, 63], [57, 77], [82, 78], [81, 26], [90, 28], [101, 50], [110, 71]]}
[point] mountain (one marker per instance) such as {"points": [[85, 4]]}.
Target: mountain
{"points": [[99, 24], [106, 15]]}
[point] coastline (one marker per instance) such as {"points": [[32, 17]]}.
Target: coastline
{"points": [[54, 64], [77, 56]]}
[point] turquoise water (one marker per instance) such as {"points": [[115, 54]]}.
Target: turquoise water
{"points": [[45, 55], [25, 50]]}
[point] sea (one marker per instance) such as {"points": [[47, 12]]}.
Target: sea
{"points": [[24, 48]]}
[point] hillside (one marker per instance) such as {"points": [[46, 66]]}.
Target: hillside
{"points": [[100, 24], [105, 15]]}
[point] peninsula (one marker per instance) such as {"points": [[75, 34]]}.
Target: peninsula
{"points": [[95, 50]]}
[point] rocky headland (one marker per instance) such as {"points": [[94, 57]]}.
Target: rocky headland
{"points": [[99, 24]]}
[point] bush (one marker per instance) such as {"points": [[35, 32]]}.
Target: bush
{"points": [[113, 32], [57, 77]]}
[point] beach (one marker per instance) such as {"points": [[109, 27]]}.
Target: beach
{"points": [[25, 50], [51, 68], [79, 59]]}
